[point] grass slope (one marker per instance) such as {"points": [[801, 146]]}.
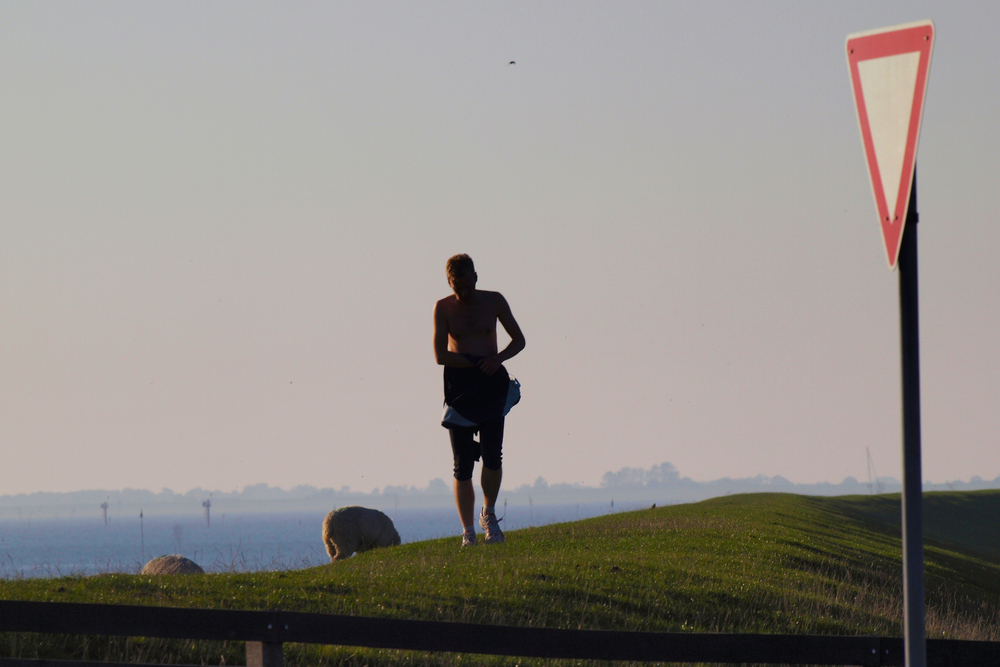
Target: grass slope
{"points": [[772, 563], [965, 519]]}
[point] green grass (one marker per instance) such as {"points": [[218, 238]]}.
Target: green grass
{"points": [[772, 563]]}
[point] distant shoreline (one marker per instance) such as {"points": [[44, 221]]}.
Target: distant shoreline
{"points": [[639, 488]]}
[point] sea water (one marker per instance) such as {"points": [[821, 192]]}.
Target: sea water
{"points": [[42, 548]]}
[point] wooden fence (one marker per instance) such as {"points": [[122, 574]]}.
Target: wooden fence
{"points": [[266, 631]]}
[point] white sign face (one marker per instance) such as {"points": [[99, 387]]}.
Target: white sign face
{"points": [[889, 113], [889, 70]]}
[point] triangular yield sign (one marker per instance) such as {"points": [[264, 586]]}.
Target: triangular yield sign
{"points": [[889, 77]]}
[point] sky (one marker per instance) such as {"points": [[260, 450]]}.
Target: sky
{"points": [[223, 228]]}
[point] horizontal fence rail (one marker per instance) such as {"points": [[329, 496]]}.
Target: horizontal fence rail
{"points": [[266, 631]]}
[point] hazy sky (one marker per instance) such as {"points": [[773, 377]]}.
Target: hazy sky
{"points": [[223, 227]]}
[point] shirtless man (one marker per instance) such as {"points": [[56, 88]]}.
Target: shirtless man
{"points": [[465, 343]]}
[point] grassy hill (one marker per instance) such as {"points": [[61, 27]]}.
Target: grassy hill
{"points": [[771, 563], [970, 520]]}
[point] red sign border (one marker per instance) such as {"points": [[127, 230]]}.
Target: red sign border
{"points": [[909, 38]]}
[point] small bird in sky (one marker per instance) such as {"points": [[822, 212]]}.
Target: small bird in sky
{"points": [[511, 62]]}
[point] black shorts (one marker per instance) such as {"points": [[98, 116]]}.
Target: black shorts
{"points": [[474, 395], [467, 451]]}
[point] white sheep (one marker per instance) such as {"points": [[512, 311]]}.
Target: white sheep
{"points": [[356, 529]]}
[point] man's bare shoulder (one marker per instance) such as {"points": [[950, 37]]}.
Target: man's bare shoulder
{"points": [[484, 299], [494, 298], [445, 304]]}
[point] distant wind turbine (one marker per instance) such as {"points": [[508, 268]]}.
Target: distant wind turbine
{"points": [[872, 472]]}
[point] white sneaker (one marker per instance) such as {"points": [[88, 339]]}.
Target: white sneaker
{"points": [[469, 539], [490, 526]]}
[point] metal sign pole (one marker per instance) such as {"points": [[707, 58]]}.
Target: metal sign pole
{"points": [[913, 513]]}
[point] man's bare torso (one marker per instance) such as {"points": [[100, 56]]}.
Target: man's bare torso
{"points": [[471, 324], [465, 324]]}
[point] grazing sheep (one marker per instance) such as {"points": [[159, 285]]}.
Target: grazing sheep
{"points": [[175, 564], [356, 529]]}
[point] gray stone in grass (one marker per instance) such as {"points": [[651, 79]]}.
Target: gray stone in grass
{"points": [[175, 564]]}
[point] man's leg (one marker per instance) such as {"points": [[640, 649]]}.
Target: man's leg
{"points": [[465, 500], [491, 442], [464, 449], [490, 480]]}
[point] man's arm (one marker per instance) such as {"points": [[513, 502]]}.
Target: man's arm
{"points": [[442, 355], [490, 365]]}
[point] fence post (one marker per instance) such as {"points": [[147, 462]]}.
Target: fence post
{"points": [[265, 654]]}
